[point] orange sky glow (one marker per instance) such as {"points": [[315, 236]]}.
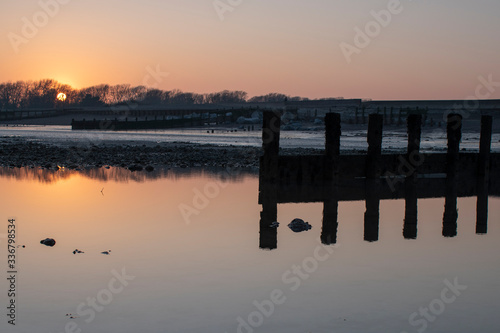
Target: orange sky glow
{"points": [[406, 50]]}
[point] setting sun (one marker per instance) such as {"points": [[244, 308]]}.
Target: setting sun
{"points": [[61, 97]]}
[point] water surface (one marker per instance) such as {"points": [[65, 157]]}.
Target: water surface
{"points": [[197, 265]]}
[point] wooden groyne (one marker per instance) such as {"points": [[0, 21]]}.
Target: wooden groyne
{"points": [[27, 114], [160, 122], [332, 177], [316, 169]]}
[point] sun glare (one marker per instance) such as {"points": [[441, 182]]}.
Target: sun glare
{"points": [[61, 97]]}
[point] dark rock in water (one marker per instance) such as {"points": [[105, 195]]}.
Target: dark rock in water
{"points": [[48, 242], [108, 252], [298, 225]]}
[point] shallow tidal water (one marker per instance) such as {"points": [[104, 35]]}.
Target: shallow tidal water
{"points": [[350, 140], [185, 257]]}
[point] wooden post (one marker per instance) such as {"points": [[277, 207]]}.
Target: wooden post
{"points": [[414, 128], [374, 138], [485, 145], [271, 145], [454, 131], [332, 145]]}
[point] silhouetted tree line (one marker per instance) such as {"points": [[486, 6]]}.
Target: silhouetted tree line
{"points": [[43, 94]]}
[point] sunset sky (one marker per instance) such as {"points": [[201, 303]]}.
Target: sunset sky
{"points": [[429, 50]]}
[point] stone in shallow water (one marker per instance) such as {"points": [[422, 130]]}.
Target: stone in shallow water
{"points": [[48, 242], [298, 225]]}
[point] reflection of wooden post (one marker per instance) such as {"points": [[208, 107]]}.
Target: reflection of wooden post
{"points": [[332, 145], [330, 217], [374, 138], [268, 238], [450, 210], [485, 145], [372, 214], [411, 211], [482, 206], [271, 145]]}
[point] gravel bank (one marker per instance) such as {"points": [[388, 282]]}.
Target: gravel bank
{"points": [[17, 152]]}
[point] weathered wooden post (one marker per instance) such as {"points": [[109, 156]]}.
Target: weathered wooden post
{"points": [[454, 131], [374, 138], [450, 217], [332, 145], [271, 145], [269, 171], [413, 157], [485, 145]]}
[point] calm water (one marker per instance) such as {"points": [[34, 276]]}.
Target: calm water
{"points": [[192, 263]]}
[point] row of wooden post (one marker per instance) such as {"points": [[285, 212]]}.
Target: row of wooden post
{"points": [[270, 172]]}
